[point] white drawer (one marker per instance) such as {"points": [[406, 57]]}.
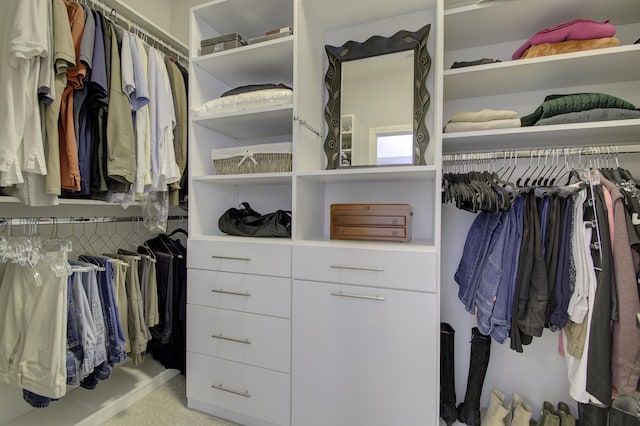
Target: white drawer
{"points": [[253, 257], [259, 294], [410, 270], [248, 338], [247, 390]]}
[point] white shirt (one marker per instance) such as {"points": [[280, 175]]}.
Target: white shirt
{"points": [[164, 169], [25, 40]]}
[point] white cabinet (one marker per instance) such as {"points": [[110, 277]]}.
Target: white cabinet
{"points": [[242, 355], [363, 356]]}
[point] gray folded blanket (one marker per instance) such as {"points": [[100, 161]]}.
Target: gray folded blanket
{"points": [[562, 104], [597, 114]]}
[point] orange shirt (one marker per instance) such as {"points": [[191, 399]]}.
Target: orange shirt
{"points": [[69, 170]]}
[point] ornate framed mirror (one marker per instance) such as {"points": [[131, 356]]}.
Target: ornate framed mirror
{"points": [[396, 69]]}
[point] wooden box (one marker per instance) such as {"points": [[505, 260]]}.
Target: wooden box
{"points": [[374, 222]]}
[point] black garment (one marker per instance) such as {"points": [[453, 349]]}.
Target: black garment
{"points": [[168, 344], [552, 251], [559, 300], [525, 265], [599, 351], [462, 64], [533, 295]]}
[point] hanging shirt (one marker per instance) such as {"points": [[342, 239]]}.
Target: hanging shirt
{"points": [[164, 169], [21, 144], [64, 59], [140, 104], [121, 165], [32, 191], [69, 172], [179, 96], [143, 119]]}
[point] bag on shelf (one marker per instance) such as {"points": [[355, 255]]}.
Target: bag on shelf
{"points": [[246, 222]]}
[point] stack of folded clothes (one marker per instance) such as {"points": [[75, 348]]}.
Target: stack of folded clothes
{"points": [[580, 108], [572, 36], [485, 119]]}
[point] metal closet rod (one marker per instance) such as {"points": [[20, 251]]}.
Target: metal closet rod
{"points": [[16, 221], [606, 150], [137, 28]]}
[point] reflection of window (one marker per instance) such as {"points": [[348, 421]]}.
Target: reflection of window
{"points": [[392, 145]]}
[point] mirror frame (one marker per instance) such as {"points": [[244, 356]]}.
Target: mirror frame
{"points": [[376, 46]]}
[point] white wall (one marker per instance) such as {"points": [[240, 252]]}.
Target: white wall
{"points": [[170, 15]]}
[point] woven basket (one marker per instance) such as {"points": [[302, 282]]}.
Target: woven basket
{"points": [[253, 159]]}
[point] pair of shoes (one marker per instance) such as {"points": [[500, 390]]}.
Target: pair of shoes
{"points": [[560, 417], [469, 411], [516, 413]]}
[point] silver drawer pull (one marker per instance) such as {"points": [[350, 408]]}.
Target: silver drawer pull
{"points": [[231, 339], [244, 259], [221, 387], [357, 296], [358, 268], [235, 293]]}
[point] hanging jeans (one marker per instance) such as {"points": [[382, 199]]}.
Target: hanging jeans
{"points": [[116, 347], [501, 316]]}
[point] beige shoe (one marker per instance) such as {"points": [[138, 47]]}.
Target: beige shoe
{"points": [[564, 412], [548, 416], [522, 412], [496, 412]]}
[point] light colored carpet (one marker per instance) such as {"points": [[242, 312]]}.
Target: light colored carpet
{"points": [[165, 406]]}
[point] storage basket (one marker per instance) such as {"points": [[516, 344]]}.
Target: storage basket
{"points": [[265, 158]]}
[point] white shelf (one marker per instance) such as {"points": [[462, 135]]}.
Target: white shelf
{"points": [[126, 385], [372, 174], [523, 21], [618, 132], [236, 239], [332, 14], [273, 121], [565, 70], [249, 18], [261, 63], [67, 202], [247, 179], [422, 245]]}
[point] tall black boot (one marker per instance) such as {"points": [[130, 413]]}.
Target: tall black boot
{"points": [[592, 415], [469, 410], [448, 410]]}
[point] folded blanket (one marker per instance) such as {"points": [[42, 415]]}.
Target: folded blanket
{"points": [[561, 104], [483, 115], [468, 126], [579, 29], [569, 46], [597, 114]]}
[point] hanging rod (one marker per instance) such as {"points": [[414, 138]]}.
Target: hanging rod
{"points": [[119, 12], [306, 125], [609, 150], [17, 221]]}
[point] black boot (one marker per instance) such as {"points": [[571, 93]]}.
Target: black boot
{"points": [[448, 410], [469, 410], [624, 412], [592, 415]]}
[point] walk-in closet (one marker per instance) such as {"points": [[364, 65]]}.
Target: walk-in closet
{"points": [[321, 212]]}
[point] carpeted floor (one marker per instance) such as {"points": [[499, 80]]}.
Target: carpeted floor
{"points": [[165, 406]]}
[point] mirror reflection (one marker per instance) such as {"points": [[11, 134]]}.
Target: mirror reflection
{"points": [[376, 106]]}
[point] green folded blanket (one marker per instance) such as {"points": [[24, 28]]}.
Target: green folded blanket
{"points": [[562, 104]]}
